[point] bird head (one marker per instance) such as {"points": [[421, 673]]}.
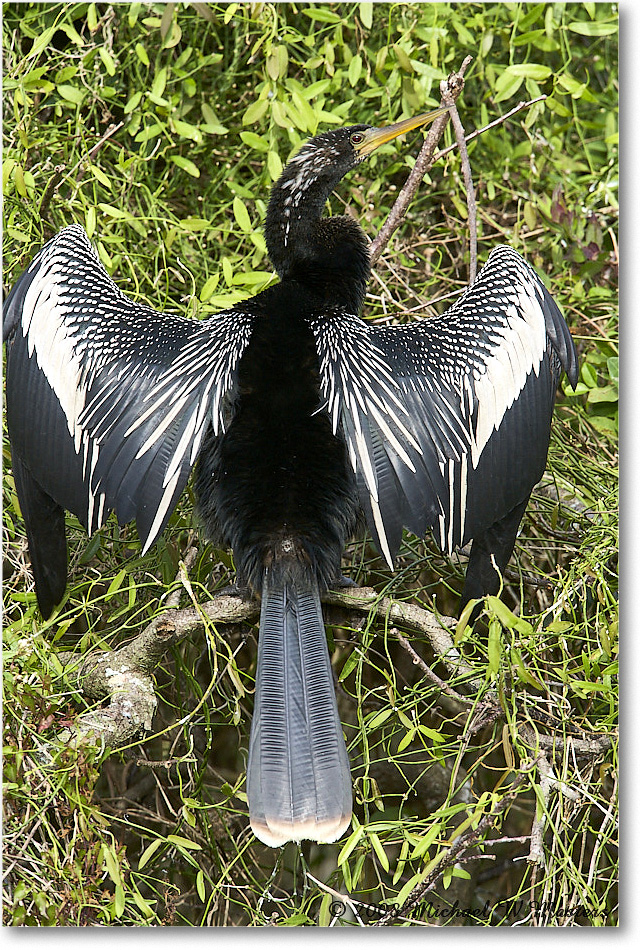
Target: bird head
{"points": [[326, 252], [332, 154]]}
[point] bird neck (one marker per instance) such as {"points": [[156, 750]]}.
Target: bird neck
{"points": [[329, 256]]}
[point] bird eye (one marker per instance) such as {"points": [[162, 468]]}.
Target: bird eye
{"points": [[356, 138]]}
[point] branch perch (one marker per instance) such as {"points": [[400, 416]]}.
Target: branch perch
{"points": [[124, 677]]}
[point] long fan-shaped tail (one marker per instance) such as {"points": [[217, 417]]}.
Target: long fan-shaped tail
{"points": [[298, 775]]}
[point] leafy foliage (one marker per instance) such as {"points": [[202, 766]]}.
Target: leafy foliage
{"points": [[160, 127]]}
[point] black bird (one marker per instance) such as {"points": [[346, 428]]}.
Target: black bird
{"points": [[299, 416]]}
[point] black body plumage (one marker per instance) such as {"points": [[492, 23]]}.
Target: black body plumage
{"points": [[303, 420]]}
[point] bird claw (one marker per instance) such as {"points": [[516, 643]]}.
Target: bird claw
{"points": [[343, 581], [234, 590]]}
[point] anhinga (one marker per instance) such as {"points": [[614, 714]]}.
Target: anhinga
{"points": [[299, 416]]}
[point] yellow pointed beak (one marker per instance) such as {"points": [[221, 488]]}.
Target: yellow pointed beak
{"points": [[373, 138]]}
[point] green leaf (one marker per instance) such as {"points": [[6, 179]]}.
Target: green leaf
{"points": [[187, 131], [535, 71], [401, 861], [378, 718], [7, 167], [173, 36], [436, 737], [354, 70], [253, 278], [41, 42], [325, 916], [209, 287], [524, 674], [116, 584], [119, 900], [160, 81], [113, 212], [379, 850], [230, 12], [365, 15], [149, 852], [408, 887], [108, 60], [100, 176], [594, 28], [603, 394], [141, 903], [306, 111], [255, 141], [494, 647], [186, 165], [321, 15], [141, 52], [255, 111], [462, 623], [524, 38], [200, 885], [193, 224], [276, 63], [132, 102], [274, 165], [92, 18], [406, 740], [111, 864], [506, 616], [241, 214], [279, 113], [90, 221], [507, 85], [350, 845], [425, 841], [349, 665], [71, 94], [228, 271], [182, 842], [403, 58]]}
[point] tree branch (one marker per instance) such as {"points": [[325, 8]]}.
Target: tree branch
{"points": [[124, 677]]}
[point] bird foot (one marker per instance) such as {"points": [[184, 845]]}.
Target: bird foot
{"points": [[343, 581], [234, 590]]}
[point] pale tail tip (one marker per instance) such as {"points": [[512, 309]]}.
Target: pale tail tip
{"points": [[277, 833]]}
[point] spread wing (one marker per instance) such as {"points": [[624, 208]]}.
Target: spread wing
{"points": [[447, 420], [108, 400]]}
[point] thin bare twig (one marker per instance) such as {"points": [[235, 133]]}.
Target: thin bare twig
{"points": [[491, 125], [460, 138], [460, 702], [417, 619], [547, 782], [81, 163], [52, 184], [424, 161], [427, 158], [452, 855]]}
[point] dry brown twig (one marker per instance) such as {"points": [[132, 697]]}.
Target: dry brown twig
{"points": [[448, 99], [425, 160], [461, 845]]}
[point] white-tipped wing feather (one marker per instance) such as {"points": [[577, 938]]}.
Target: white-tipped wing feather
{"points": [[114, 397], [447, 420]]}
